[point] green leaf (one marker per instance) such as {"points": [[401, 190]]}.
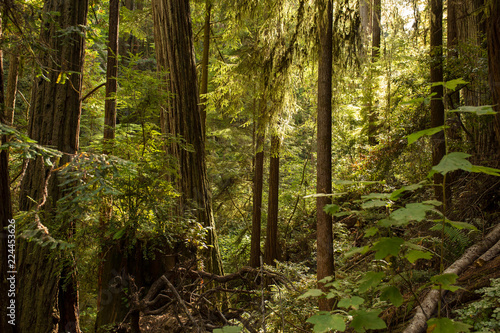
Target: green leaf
{"points": [[486, 170], [324, 322], [446, 325], [453, 161], [461, 225], [431, 131], [445, 281], [387, 246], [414, 255], [366, 320], [371, 232], [392, 294], [326, 279], [396, 194], [353, 302], [312, 293], [411, 212], [371, 279], [452, 84], [478, 110], [373, 204], [228, 329], [331, 209], [376, 196], [119, 234], [355, 250]]}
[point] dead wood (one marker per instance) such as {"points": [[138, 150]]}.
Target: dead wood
{"points": [[429, 304]]}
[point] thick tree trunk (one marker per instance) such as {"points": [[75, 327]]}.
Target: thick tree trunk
{"points": [[376, 31], [258, 181], [365, 27], [437, 106], [48, 295], [271, 249], [494, 63], [324, 144], [182, 118], [5, 215]]}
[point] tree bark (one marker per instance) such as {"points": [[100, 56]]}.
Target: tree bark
{"points": [[494, 63], [324, 143], [429, 304], [204, 67], [437, 106], [271, 249], [376, 31], [10, 93], [48, 294], [258, 181], [181, 117]]}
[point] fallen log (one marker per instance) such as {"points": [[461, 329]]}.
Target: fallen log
{"points": [[428, 306]]}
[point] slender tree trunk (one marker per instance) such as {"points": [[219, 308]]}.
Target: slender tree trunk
{"points": [[11, 92], [271, 249], [324, 142], [376, 30], [258, 181], [204, 66], [494, 63], [5, 214], [182, 118], [48, 290], [365, 27]]}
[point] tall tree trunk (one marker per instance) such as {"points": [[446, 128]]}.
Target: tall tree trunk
{"points": [[5, 215], [204, 66], [365, 26], [494, 63], [182, 118], [11, 92], [376, 30], [106, 208], [48, 294], [437, 106], [258, 181], [324, 144], [271, 249]]}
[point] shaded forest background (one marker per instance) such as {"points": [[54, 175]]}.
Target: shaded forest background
{"points": [[227, 166]]}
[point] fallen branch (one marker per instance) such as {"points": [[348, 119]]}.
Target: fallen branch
{"points": [[429, 304]]}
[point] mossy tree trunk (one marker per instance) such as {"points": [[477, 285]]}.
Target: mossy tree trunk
{"points": [[48, 290]]}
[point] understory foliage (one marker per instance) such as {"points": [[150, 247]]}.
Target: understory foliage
{"points": [[392, 240]]}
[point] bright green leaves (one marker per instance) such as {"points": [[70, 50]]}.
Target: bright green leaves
{"points": [[392, 294], [370, 280], [411, 212], [458, 161], [482, 110], [414, 255], [325, 321], [331, 209], [353, 302], [431, 131], [445, 325], [366, 320], [445, 282], [228, 329], [312, 293], [387, 246]]}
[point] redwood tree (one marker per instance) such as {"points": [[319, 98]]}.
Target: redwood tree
{"points": [[324, 144], [48, 295], [181, 117], [271, 249], [494, 62]]}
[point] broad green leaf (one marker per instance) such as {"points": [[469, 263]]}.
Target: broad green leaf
{"points": [[446, 325], [453, 161], [312, 293], [486, 170], [478, 110], [431, 131], [355, 250], [326, 279], [396, 194], [353, 302], [371, 279], [452, 84], [366, 320], [414, 255], [392, 294], [411, 212], [376, 196], [228, 329], [433, 202], [387, 246], [324, 322], [373, 204], [331, 209], [371, 232], [445, 281], [119, 234], [461, 225]]}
